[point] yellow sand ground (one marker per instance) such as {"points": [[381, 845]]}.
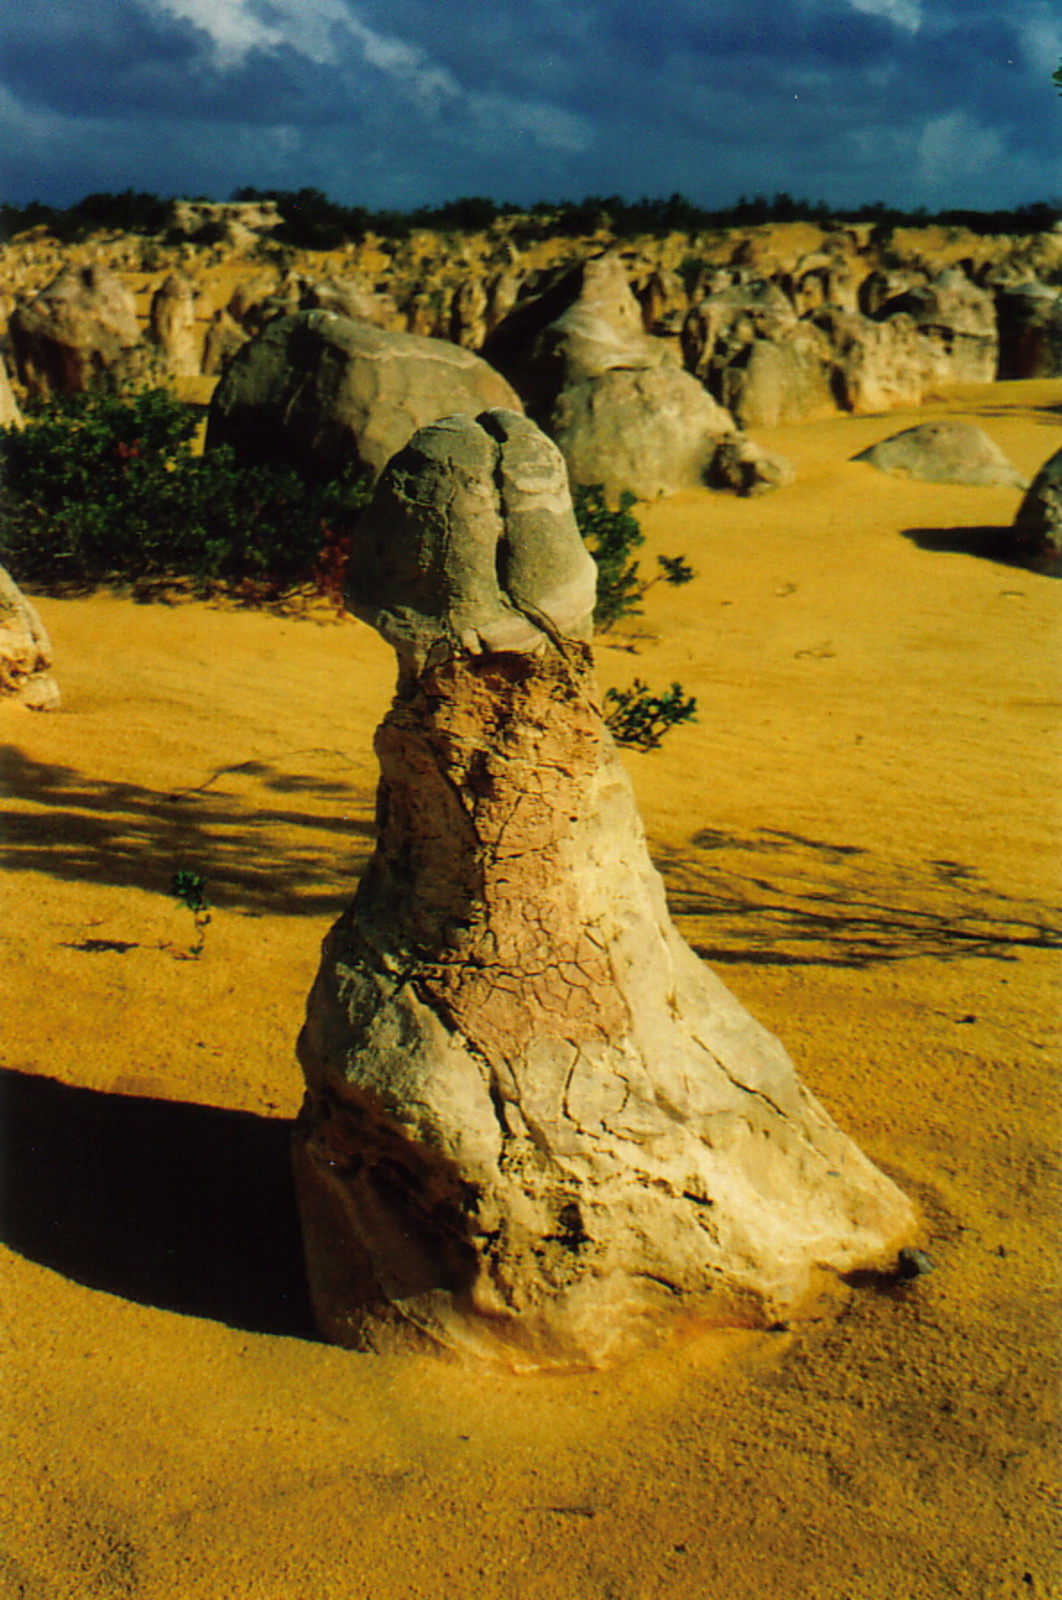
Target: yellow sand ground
{"points": [[860, 832]]}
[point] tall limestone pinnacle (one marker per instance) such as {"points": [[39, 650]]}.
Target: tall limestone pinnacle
{"points": [[537, 1129]]}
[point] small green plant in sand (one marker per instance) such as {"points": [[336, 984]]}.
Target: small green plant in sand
{"points": [[190, 889], [612, 536], [638, 717]]}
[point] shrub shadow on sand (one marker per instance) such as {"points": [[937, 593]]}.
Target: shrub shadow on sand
{"points": [[183, 1207], [256, 855], [771, 898], [989, 543]]}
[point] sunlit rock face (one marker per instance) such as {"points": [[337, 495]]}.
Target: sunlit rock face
{"points": [[537, 1129]]}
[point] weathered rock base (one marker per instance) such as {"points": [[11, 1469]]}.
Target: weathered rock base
{"points": [[537, 1129]]}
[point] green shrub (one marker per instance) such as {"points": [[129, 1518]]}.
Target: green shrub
{"points": [[611, 538], [101, 489], [638, 717]]}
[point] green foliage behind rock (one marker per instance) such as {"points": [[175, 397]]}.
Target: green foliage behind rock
{"points": [[98, 488]]}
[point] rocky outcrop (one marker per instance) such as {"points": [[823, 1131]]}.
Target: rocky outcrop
{"points": [[1030, 331], [788, 380], [80, 330], [349, 297], [223, 338], [10, 411], [172, 325], [957, 319], [586, 324], [943, 452], [323, 392], [25, 651], [613, 398], [652, 431], [537, 1130], [1037, 531], [876, 365]]}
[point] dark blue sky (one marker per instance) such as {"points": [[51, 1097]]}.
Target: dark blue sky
{"points": [[398, 103]]}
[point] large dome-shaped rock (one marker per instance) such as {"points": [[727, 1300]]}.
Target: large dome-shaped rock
{"points": [[537, 1130], [652, 431], [25, 651], [79, 330], [1037, 528], [943, 452], [322, 391]]}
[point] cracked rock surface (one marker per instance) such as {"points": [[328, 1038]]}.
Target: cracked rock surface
{"points": [[537, 1129]]}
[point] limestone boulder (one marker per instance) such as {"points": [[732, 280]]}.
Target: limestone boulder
{"points": [[652, 431], [1030, 331], [10, 410], [223, 338], [585, 324], [80, 330], [25, 651], [944, 452], [723, 324], [739, 464], [876, 366], [957, 319], [352, 297], [321, 392], [787, 380], [537, 1130], [1037, 528], [172, 325]]}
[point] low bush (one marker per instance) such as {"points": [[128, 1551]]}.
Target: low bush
{"points": [[102, 489], [612, 536], [636, 716]]}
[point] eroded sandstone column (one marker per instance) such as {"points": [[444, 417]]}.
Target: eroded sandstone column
{"points": [[537, 1128]]}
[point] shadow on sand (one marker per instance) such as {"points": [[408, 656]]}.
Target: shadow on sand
{"points": [[183, 1207], [772, 898], [990, 543], [257, 853]]}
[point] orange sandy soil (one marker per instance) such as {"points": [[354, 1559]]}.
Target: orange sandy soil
{"points": [[860, 832]]}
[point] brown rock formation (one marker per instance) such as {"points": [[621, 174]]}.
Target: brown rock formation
{"points": [[537, 1129], [81, 327], [172, 324]]}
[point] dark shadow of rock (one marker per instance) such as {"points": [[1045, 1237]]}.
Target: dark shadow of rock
{"points": [[183, 1207], [990, 543]]}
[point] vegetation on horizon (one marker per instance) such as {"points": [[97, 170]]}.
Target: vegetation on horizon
{"points": [[311, 220]]}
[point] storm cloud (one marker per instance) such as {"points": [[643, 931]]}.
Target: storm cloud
{"points": [[397, 103]]}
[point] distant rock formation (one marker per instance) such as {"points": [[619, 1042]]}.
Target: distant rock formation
{"points": [[537, 1130], [172, 325], [1030, 331], [612, 397], [80, 329], [943, 452], [25, 651], [322, 392]]}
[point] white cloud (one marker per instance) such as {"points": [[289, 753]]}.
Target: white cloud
{"points": [[906, 14], [236, 27], [953, 148]]}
